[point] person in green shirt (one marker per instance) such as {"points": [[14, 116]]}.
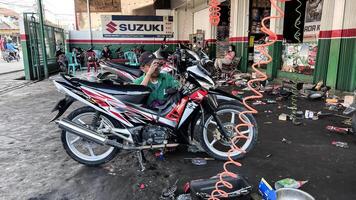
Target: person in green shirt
{"points": [[154, 79]]}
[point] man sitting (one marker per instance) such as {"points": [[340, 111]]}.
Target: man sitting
{"points": [[158, 82]]}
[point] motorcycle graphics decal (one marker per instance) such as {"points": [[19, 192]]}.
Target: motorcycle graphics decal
{"points": [[191, 106], [177, 112], [198, 95]]}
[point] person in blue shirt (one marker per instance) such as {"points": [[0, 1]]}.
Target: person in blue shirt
{"points": [[11, 47]]}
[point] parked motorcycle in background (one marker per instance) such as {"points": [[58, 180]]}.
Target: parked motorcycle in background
{"points": [[10, 56]]}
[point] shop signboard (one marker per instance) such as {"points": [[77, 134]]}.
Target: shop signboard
{"points": [[127, 26], [312, 20]]}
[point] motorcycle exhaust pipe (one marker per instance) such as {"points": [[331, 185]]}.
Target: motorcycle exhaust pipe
{"points": [[91, 135], [86, 133]]}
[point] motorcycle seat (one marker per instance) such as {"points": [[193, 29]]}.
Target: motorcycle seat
{"points": [[114, 89], [136, 71]]}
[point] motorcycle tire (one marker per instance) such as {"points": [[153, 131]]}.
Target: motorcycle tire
{"points": [[254, 134], [354, 123], [89, 163]]}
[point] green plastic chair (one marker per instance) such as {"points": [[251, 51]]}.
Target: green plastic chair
{"points": [[132, 58], [72, 63]]}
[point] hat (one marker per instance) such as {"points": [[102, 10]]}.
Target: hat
{"points": [[146, 58]]}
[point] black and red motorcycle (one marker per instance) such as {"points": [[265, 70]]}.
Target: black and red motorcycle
{"points": [[115, 118]]}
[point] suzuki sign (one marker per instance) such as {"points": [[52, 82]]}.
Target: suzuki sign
{"points": [[114, 26]]}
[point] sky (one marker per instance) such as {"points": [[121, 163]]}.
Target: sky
{"points": [[56, 11]]}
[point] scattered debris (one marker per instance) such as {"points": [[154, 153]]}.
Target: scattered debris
{"points": [[332, 101], [169, 193], [284, 140], [184, 197], [283, 117], [268, 111], [271, 101], [267, 122], [269, 155], [159, 155], [340, 144], [309, 114], [142, 186], [348, 100], [258, 103], [338, 129], [347, 122], [289, 183], [199, 161]]}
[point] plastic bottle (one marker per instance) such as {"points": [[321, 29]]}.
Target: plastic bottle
{"points": [[289, 183]]}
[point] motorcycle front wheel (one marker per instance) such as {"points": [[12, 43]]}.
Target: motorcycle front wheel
{"points": [[82, 150], [218, 146]]}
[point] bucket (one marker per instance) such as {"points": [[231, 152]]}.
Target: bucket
{"points": [[292, 194]]}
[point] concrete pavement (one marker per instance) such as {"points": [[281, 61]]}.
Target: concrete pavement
{"points": [[12, 66], [34, 164]]}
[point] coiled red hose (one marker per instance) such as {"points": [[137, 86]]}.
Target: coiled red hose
{"points": [[214, 10], [250, 110]]}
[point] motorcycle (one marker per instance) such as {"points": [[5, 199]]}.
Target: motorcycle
{"points": [[123, 73], [9, 56], [115, 118]]}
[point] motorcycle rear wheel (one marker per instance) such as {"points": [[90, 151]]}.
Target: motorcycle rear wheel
{"points": [[71, 141], [206, 131]]}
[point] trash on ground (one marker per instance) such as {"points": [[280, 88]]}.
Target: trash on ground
{"points": [[338, 129], [258, 103], [284, 140], [268, 193], [267, 122], [159, 155], [142, 186], [199, 161], [184, 197], [340, 144], [332, 101], [348, 100], [266, 190], [289, 183], [271, 101], [347, 122], [169, 193], [268, 111], [269, 155], [283, 117]]}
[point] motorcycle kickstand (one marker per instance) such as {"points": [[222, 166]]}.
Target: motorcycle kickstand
{"points": [[141, 159]]}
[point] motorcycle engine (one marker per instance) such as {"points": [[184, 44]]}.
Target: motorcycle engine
{"points": [[152, 135]]}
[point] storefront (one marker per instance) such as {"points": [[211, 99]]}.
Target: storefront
{"points": [[316, 38], [315, 42]]}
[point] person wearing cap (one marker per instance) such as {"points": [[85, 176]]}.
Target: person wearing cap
{"points": [[154, 79]]}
